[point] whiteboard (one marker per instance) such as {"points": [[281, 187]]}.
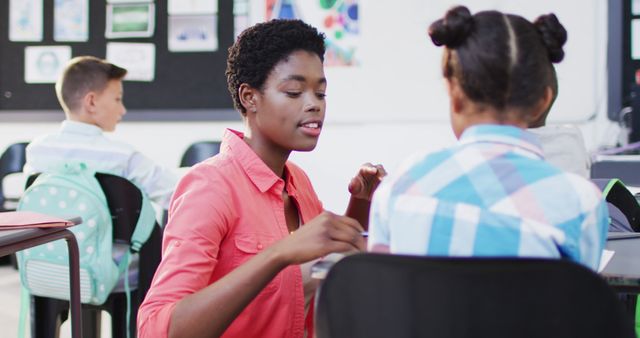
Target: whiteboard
{"points": [[399, 78]]}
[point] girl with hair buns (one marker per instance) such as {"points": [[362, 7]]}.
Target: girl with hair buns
{"points": [[492, 194]]}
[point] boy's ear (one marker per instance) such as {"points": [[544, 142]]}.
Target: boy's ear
{"points": [[89, 102], [248, 96]]}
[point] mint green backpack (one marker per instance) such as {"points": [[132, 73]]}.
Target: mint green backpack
{"points": [[72, 191]]}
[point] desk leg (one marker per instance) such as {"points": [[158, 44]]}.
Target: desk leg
{"points": [[74, 277]]}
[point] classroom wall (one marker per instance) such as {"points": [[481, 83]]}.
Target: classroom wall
{"points": [[394, 103], [399, 78], [342, 147]]}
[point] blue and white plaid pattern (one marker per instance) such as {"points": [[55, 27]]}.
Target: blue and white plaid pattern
{"points": [[490, 195]]}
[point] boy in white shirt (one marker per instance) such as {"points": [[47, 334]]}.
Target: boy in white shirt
{"points": [[90, 93]]}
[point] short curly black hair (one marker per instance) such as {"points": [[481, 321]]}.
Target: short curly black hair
{"points": [[260, 47]]}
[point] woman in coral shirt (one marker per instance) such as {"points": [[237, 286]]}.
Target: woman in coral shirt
{"points": [[243, 224]]}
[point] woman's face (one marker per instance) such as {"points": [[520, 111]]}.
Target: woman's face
{"points": [[289, 110]]}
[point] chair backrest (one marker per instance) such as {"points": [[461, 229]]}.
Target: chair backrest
{"points": [[199, 151], [125, 204], [12, 161], [372, 295]]}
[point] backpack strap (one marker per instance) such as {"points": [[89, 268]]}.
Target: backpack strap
{"points": [[144, 226], [123, 269], [616, 193], [24, 309]]}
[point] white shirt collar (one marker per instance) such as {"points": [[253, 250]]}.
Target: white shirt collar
{"points": [[76, 127]]}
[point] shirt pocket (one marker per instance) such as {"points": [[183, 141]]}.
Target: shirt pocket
{"points": [[249, 245]]}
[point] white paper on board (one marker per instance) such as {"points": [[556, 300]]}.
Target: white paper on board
{"points": [[192, 33], [71, 20], [139, 59], [25, 20], [192, 7], [130, 20], [43, 64]]}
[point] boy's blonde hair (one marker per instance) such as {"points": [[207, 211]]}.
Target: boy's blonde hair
{"points": [[84, 74]]}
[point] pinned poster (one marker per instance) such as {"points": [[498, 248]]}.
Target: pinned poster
{"points": [[71, 20], [338, 19], [130, 20], [139, 59], [126, 1], [25, 20], [241, 16], [193, 33], [192, 7], [44, 64]]}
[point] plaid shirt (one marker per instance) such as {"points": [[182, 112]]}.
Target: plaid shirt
{"points": [[490, 195]]}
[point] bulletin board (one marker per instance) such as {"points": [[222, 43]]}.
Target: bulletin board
{"points": [[183, 82]]}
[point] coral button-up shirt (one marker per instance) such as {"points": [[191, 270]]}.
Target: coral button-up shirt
{"points": [[224, 211]]}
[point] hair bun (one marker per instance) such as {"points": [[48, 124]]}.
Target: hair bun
{"points": [[453, 29], [553, 35]]}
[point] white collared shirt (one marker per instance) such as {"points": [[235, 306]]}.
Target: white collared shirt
{"points": [[82, 142]]}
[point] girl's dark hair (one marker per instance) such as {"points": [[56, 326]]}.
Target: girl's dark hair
{"points": [[502, 60], [260, 47]]}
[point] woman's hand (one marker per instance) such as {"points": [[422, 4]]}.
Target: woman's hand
{"points": [[366, 181], [324, 234]]}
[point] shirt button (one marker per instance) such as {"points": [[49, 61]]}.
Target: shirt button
{"points": [[259, 246]]}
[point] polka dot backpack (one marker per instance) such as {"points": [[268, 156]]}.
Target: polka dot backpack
{"points": [[69, 192]]}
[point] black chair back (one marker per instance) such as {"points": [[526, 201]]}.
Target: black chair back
{"points": [[198, 152], [370, 295], [12, 161], [125, 204]]}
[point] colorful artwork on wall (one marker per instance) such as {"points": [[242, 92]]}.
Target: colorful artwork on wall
{"points": [[338, 19]]}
